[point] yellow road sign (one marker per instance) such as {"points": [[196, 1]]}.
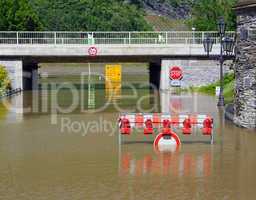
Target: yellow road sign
{"points": [[113, 73]]}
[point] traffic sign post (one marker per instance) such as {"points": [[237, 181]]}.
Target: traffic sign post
{"points": [[92, 51]]}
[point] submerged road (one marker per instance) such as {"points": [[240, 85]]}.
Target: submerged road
{"points": [[79, 157]]}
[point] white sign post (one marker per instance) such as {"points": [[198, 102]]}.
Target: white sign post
{"points": [[217, 91]]}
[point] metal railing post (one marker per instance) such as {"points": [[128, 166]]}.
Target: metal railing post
{"points": [[129, 37], [17, 37], [93, 41], [166, 37], [55, 38], [203, 36]]}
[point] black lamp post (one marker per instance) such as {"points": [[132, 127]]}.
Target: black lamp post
{"points": [[221, 26], [226, 46]]}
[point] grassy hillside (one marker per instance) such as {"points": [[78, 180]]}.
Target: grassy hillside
{"points": [[161, 23], [229, 85]]}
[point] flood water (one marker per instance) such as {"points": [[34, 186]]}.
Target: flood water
{"points": [[48, 154]]}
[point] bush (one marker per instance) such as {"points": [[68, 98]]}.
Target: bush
{"points": [[206, 13], [5, 82], [229, 80]]}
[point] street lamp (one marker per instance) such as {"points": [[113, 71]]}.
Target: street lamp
{"points": [[208, 43], [226, 47], [221, 26]]}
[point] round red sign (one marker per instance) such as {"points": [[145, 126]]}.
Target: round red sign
{"points": [[92, 51], [175, 73]]}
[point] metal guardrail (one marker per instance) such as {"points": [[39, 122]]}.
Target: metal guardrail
{"points": [[120, 38], [10, 92]]}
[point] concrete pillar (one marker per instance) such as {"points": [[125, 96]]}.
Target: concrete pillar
{"points": [[30, 76], [14, 68], [35, 79], [154, 74]]}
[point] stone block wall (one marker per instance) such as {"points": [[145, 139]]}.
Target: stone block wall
{"points": [[245, 69]]}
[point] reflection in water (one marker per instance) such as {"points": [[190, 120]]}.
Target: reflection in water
{"points": [[177, 164], [176, 102], [11, 108], [91, 96], [171, 102], [3, 111], [113, 91]]}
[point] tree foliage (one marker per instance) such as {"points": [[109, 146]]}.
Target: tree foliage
{"points": [[18, 15], [205, 14], [5, 82], [103, 15], [89, 15]]}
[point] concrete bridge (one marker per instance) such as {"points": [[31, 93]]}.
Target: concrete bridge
{"points": [[20, 52]]}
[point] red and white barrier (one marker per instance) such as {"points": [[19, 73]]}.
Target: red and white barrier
{"points": [[163, 125]]}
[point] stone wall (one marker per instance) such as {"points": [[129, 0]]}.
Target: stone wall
{"points": [[245, 70]]}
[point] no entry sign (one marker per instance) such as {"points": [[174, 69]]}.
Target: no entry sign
{"points": [[175, 73], [92, 51]]}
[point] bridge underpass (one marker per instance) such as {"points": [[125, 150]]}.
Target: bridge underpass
{"points": [[21, 52]]}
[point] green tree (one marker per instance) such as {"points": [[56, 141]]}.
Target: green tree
{"points": [[89, 15], [5, 82], [205, 14], [18, 15]]}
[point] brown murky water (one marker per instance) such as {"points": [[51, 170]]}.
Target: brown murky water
{"points": [[42, 158]]}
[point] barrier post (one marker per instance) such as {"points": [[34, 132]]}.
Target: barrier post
{"points": [[212, 137]]}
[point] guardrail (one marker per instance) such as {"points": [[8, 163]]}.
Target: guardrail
{"points": [[91, 38], [10, 92]]}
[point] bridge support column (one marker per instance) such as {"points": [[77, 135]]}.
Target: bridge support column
{"points": [[164, 75], [30, 76], [154, 74]]}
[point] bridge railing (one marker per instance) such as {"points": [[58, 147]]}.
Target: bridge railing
{"points": [[104, 38]]}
